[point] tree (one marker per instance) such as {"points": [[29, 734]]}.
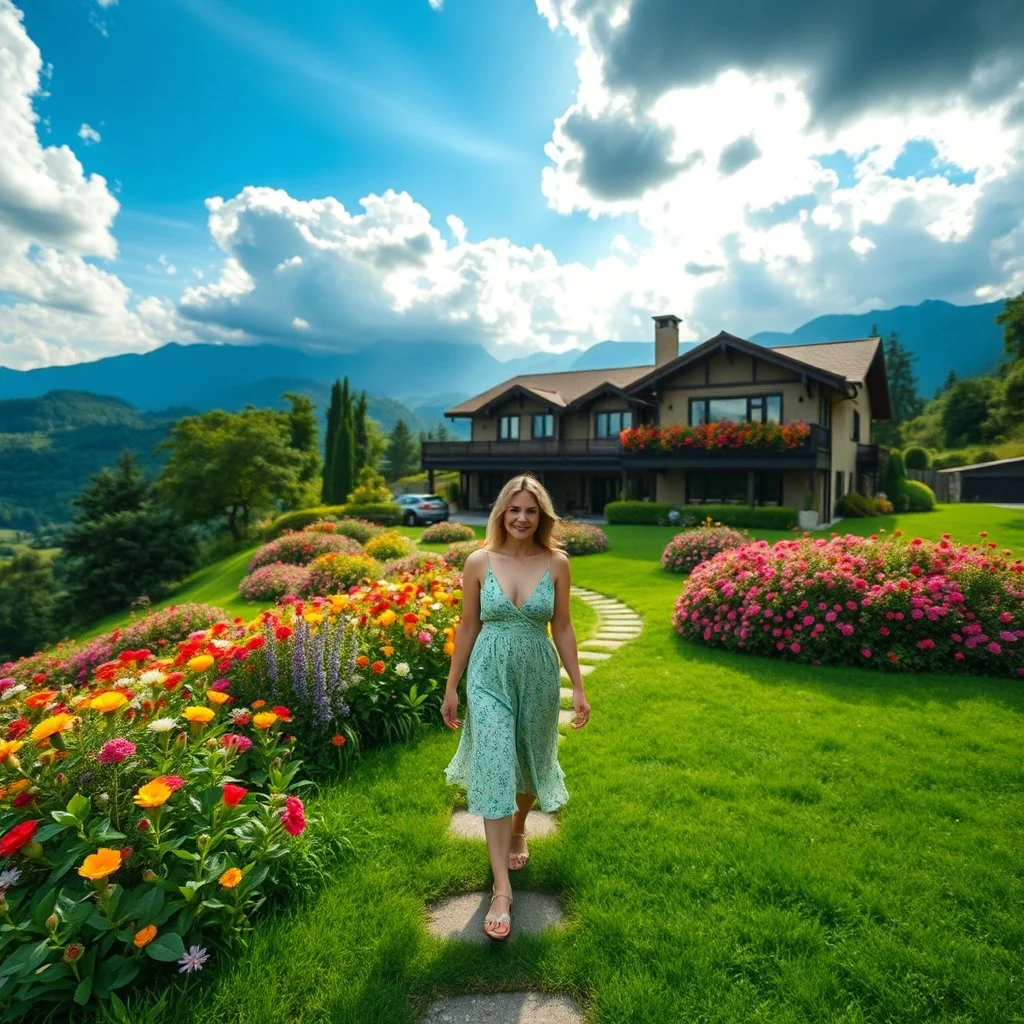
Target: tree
{"points": [[376, 444], [342, 470], [965, 412], [371, 490], [27, 605], [362, 433], [333, 415], [303, 435], [403, 454], [438, 432], [951, 379], [230, 466], [903, 396], [1012, 319], [122, 543], [894, 479]]}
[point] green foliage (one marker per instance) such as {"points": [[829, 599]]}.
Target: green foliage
{"points": [[123, 544], [639, 513], [1012, 320], [385, 513], [855, 506], [358, 529], [447, 533], [916, 457], [389, 545], [920, 497], [903, 390], [452, 492], [965, 412], [458, 552], [229, 466], [580, 538], [304, 439], [403, 453], [362, 434], [301, 518], [333, 418], [652, 513], [27, 605], [342, 468], [893, 479], [371, 488]]}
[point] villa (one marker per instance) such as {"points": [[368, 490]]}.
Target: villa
{"points": [[728, 421]]}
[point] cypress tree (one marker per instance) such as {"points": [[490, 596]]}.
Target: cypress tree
{"points": [[333, 414], [343, 469], [362, 434]]}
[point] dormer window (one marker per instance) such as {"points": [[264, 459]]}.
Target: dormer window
{"points": [[543, 425], [611, 424], [508, 428]]}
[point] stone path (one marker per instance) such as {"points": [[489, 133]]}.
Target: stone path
{"points": [[462, 917]]}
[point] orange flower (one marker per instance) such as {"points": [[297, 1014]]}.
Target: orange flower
{"points": [[386, 618], [109, 701], [144, 936], [387, 650], [449, 649], [9, 748], [200, 663], [362, 661], [153, 794], [377, 668], [198, 714], [40, 699], [48, 726], [230, 878], [217, 697], [14, 788], [259, 703], [338, 740], [264, 720], [100, 864]]}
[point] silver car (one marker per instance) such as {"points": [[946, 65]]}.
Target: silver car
{"points": [[422, 508]]}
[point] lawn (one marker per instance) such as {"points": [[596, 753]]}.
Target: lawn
{"points": [[746, 840]]}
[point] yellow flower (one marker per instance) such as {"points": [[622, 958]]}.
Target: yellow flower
{"points": [[387, 650], [153, 794], [313, 618], [449, 648], [48, 726], [107, 702], [197, 714], [231, 878], [9, 748], [217, 697], [264, 720], [144, 936], [386, 618], [426, 599], [100, 864], [200, 663]]}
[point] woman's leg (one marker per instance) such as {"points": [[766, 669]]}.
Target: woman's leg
{"points": [[519, 851], [499, 840]]}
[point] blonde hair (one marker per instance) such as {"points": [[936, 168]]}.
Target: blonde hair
{"points": [[496, 532]]}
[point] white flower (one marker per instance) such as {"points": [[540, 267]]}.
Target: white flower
{"points": [[162, 724], [124, 681], [153, 675], [402, 668], [436, 606], [14, 691], [220, 644]]}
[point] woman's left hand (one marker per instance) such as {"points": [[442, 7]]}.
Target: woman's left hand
{"points": [[579, 702]]}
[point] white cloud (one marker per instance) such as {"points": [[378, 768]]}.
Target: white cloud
{"points": [[299, 324], [88, 135], [167, 265], [107, 3], [436, 5]]}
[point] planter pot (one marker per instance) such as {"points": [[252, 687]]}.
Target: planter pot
{"points": [[807, 519]]}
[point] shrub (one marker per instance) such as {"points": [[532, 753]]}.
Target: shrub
{"points": [[389, 545], [332, 574], [358, 529], [371, 488], [322, 526], [385, 513], [447, 533], [881, 506], [126, 846], [269, 582], [855, 506], [650, 513], [456, 554], [922, 606], [452, 492], [916, 457], [893, 479], [301, 549], [415, 564], [920, 497], [985, 455], [301, 518], [73, 661], [949, 460], [685, 551], [640, 513], [580, 538]]}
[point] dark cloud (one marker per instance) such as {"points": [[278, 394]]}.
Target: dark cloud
{"points": [[738, 154], [621, 157], [699, 269], [876, 52]]}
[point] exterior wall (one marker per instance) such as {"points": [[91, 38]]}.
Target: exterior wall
{"points": [[579, 424], [486, 428], [844, 447], [671, 489]]}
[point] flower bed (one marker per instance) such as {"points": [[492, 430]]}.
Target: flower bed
{"points": [[331, 574], [722, 434], [74, 660], [580, 538], [139, 815], [358, 529], [271, 582], [415, 564], [685, 551], [389, 545], [457, 553], [918, 606], [447, 533], [302, 548]]}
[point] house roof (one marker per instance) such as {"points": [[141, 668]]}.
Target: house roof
{"points": [[983, 465], [834, 362]]}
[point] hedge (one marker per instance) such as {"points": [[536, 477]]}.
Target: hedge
{"points": [[385, 512], [920, 497], [301, 518], [855, 506], [647, 513]]}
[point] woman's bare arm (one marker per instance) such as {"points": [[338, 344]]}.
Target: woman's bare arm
{"points": [[562, 631]]}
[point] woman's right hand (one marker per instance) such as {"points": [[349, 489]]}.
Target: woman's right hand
{"points": [[449, 710]]}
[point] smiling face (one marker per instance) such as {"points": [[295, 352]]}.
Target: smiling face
{"points": [[522, 517]]}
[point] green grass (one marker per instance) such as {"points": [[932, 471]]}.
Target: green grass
{"points": [[746, 840]]}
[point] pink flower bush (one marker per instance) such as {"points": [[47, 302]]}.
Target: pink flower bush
{"points": [[302, 548], [457, 553], [685, 551], [415, 564], [270, 582], [920, 606], [580, 538], [447, 533]]}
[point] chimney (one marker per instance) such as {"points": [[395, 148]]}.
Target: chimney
{"points": [[666, 338]]}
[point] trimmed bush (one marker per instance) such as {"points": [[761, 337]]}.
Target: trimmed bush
{"points": [[950, 460], [580, 538], [332, 574], [415, 564], [269, 582], [637, 513], [893, 479], [685, 551], [916, 457], [855, 506], [648, 513], [447, 533], [456, 554], [301, 549], [385, 513], [386, 546], [358, 529], [920, 497], [300, 519], [921, 607], [881, 506]]}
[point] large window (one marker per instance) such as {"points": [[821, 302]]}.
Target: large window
{"points": [[610, 424], [722, 487], [543, 424], [856, 426], [752, 408], [508, 428]]}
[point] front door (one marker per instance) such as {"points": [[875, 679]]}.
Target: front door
{"points": [[602, 490]]}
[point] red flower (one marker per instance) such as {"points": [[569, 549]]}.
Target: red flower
{"points": [[293, 817], [283, 632], [172, 781], [256, 643], [19, 836], [23, 800], [173, 679], [282, 712], [234, 795], [17, 729], [338, 740], [377, 668]]}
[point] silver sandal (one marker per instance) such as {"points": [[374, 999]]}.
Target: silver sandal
{"points": [[525, 856], [501, 919]]}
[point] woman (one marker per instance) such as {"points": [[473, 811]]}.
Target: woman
{"points": [[508, 752]]}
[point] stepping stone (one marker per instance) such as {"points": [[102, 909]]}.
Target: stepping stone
{"points": [[505, 1007], [592, 656], [565, 693], [462, 916], [620, 615], [471, 826], [622, 623], [566, 717], [585, 670], [611, 645], [618, 634]]}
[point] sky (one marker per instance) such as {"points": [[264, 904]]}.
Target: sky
{"points": [[526, 175]]}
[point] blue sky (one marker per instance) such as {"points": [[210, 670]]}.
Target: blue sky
{"points": [[520, 174]]}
